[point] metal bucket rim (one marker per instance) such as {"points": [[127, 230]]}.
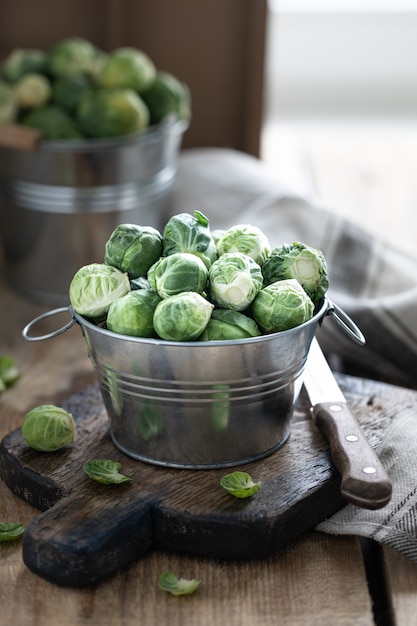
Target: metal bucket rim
{"points": [[167, 126], [324, 309]]}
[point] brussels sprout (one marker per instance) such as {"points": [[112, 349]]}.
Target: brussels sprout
{"points": [[8, 108], [53, 122], [182, 317], [133, 313], [247, 239], [178, 272], [48, 428], [111, 113], [133, 249], [23, 61], [305, 264], [32, 91], [167, 96], [127, 68], [140, 283], [282, 305], [229, 324], [68, 91], [74, 55], [94, 287], [235, 279], [189, 233], [217, 234]]}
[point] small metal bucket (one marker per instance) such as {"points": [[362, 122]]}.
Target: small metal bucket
{"points": [[60, 203], [199, 404]]}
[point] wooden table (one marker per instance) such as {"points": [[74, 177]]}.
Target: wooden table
{"points": [[317, 579]]}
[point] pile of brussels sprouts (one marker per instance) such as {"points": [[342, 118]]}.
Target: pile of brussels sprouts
{"points": [[191, 284], [74, 90]]}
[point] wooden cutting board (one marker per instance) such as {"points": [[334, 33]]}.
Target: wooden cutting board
{"points": [[88, 531]]}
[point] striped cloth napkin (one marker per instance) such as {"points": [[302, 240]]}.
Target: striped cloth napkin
{"points": [[370, 279]]}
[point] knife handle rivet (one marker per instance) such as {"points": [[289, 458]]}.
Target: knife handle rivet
{"points": [[369, 470], [352, 437], [335, 407]]}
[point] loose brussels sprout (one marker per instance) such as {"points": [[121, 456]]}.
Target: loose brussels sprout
{"points": [[182, 317], [133, 249], [167, 96], [53, 122], [74, 55], [111, 113], [282, 305], [94, 287], [178, 272], [229, 324], [189, 233], [305, 264], [32, 91], [8, 108], [68, 91], [23, 61], [127, 68], [133, 313], [240, 484], [247, 239], [235, 279], [48, 428]]}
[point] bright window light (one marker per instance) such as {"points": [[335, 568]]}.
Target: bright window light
{"points": [[335, 6]]}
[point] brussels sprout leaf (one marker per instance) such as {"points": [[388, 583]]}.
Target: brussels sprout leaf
{"points": [[105, 472]]}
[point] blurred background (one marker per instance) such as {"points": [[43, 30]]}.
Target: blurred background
{"points": [[340, 116], [323, 91]]}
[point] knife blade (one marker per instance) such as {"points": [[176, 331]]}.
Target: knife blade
{"points": [[364, 481]]}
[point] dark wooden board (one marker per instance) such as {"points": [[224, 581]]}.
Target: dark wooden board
{"points": [[88, 531]]}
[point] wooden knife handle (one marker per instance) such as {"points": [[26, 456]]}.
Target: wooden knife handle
{"points": [[19, 137], [365, 482]]}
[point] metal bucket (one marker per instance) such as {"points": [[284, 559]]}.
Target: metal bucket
{"points": [[199, 404], [60, 203]]}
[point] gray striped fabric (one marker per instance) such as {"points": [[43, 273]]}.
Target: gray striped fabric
{"points": [[371, 280]]}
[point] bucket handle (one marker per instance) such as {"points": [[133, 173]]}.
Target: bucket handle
{"points": [[54, 333], [346, 323]]}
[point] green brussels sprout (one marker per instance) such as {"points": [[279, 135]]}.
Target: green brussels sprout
{"points": [[305, 264], [228, 324], [235, 279], [133, 313], [182, 317], [282, 305], [32, 91], [53, 122], [74, 55], [94, 287], [127, 68], [133, 249], [23, 61], [68, 91], [140, 283], [217, 234], [111, 113], [189, 233], [167, 96], [181, 271], [8, 108], [245, 238], [48, 428]]}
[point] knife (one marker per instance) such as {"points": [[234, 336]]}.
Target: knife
{"points": [[365, 482]]}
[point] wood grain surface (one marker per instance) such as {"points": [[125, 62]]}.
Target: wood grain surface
{"points": [[316, 579]]}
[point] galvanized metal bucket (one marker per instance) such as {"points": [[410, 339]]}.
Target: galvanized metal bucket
{"points": [[199, 404], [60, 203]]}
